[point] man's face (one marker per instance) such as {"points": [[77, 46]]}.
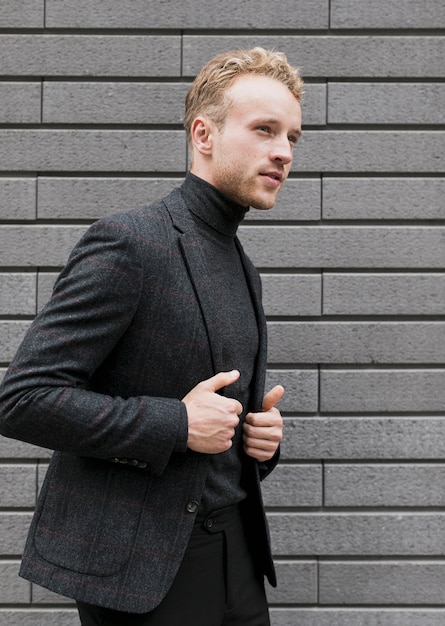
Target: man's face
{"points": [[252, 152]]}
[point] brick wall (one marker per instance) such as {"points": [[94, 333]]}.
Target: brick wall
{"points": [[352, 259]]}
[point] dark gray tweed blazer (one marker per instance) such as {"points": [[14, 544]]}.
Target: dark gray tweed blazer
{"points": [[99, 378]]}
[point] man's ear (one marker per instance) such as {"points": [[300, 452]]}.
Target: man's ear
{"points": [[202, 135]]}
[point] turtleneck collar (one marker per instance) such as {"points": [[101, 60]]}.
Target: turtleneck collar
{"points": [[211, 206]]}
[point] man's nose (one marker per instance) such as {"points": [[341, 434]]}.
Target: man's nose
{"points": [[282, 150]]}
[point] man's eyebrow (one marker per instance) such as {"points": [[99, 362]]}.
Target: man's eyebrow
{"points": [[264, 120]]}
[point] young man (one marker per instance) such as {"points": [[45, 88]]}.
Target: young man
{"points": [[145, 373]]}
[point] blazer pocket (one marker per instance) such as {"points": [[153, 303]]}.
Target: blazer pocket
{"points": [[89, 514]]}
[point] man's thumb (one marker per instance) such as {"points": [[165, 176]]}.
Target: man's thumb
{"points": [[272, 397], [220, 380]]}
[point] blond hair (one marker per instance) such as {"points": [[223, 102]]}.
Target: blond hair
{"points": [[207, 95]]}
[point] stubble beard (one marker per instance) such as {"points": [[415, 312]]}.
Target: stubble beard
{"points": [[243, 190]]}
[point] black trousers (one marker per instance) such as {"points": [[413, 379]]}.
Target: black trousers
{"points": [[216, 584]]}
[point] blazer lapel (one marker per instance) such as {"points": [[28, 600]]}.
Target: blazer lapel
{"points": [[198, 272], [202, 282]]}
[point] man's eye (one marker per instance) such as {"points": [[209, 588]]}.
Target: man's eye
{"points": [[293, 139], [265, 129]]}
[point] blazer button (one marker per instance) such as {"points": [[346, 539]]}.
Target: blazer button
{"points": [[192, 506]]}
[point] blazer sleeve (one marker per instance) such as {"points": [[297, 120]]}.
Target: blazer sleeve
{"points": [[46, 396]]}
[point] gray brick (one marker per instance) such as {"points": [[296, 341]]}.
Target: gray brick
{"points": [[338, 438], [40, 595], [394, 14], [313, 106], [92, 150], [23, 14], [354, 534], [301, 389], [42, 617], [324, 56], [383, 294], [91, 198], [19, 102], [90, 55], [390, 485], [403, 103], [391, 247], [17, 486], [113, 103], [11, 333], [370, 151], [37, 245], [382, 391], [294, 486], [17, 198], [383, 198], [314, 616], [17, 294], [12, 588], [297, 583], [395, 582], [192, 14], [13, 449], [356, 342], [13, 531], [292, 294]]}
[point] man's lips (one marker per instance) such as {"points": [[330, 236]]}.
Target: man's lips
{"points": [[274, 178]]}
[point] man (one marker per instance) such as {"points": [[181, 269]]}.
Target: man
{"points": [[145, 373]]}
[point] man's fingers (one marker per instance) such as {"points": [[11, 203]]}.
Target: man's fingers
{"points": [[263, 431], [212, 418], [272, 397]]}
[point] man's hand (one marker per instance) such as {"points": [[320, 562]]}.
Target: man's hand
{"points": [[264, 431], [212, 418]]}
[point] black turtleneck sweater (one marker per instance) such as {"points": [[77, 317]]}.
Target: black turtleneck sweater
{"points": [[217, 219]]}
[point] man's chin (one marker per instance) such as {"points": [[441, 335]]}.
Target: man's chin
{"points": [[263, 204]]}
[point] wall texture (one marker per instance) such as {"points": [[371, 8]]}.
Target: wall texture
{"points": [[352, 259]]}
